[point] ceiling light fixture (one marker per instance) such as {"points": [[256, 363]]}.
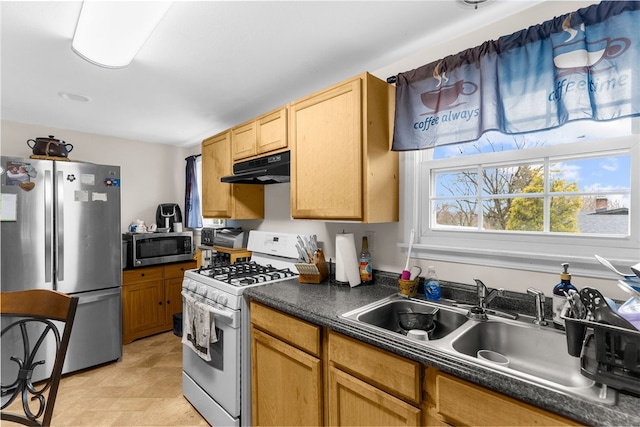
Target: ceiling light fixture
{"points": [[473, 3], [110, 33], [73, 97]]}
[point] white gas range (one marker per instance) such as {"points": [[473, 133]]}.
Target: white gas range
{"points": [[220, 389]]}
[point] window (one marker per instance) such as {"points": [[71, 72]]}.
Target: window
{"points": [[529, 201], [206, 222]]}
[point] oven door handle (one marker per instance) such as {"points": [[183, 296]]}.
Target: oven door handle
{"points": [[227, 314], [222, 313]]}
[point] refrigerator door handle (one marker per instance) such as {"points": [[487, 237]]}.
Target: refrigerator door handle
{"points": [[101, 296], [59, 218], [48, 227]]}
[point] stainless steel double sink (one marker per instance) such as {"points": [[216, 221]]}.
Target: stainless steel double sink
{"points": [[517, 348]]}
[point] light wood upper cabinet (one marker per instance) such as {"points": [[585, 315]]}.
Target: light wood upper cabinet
{"points": [[243, 140], [267, 133], [271, 131], [223, 200], [341, 164]]}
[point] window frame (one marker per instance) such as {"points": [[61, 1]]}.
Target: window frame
{"points": [[530, 251]]}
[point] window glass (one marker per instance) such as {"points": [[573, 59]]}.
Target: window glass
{"points": [[561, 194]]}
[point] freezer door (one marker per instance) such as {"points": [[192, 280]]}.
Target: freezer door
{"points": [[96, 337], [87, 214], [26, 245]]}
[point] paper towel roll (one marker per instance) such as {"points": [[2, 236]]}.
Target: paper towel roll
{"points": [[346, 260]]}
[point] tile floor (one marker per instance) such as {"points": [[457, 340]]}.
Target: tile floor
{"points": [[143, 389]]}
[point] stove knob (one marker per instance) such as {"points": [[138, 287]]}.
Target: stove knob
{"points": [[191, 285], [202, 290], [212, 294], [222, 299]]}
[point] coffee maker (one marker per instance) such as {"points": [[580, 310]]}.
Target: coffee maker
{"points": [[167, 214]]}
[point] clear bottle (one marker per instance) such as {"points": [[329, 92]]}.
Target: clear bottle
{"points": [[432, 285], [366, 268], [560, 292]]}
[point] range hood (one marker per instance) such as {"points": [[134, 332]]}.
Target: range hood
{"points": [[271, 169]]}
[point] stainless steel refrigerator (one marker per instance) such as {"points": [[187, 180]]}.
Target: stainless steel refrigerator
{"points": [[61, 230]]}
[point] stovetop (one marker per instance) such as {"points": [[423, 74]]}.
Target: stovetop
{"points": [[244, 273]]}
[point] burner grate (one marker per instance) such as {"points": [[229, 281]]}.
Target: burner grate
{"points": [[245, 273]]}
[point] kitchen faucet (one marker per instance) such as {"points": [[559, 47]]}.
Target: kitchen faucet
{"points": [[539, 320], [485, 296]]}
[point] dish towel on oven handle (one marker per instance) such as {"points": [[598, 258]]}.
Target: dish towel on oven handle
{"points": [[198, 327]]}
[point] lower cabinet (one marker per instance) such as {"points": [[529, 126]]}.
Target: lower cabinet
{"points": [[452, 401], [369, 386], [150, 298], [286, 371], [303, 374]]}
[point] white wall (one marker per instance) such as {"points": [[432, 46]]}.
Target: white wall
{"points": [[386, 254], [150, 173], [153, 174]]}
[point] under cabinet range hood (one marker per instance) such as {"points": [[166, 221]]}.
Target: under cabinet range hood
{"points": [[271, 169]]}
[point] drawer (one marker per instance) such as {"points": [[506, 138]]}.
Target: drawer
{"points": [[389, 372], [177, 270], [301, 334], [142, 274]]}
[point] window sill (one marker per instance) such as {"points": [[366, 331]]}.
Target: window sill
{"points": [[539, 263]]}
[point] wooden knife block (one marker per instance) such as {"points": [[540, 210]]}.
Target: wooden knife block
{"points": [[323, 270]]}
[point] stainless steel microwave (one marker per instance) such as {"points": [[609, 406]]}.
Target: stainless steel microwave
{"points": [[145, 249]]}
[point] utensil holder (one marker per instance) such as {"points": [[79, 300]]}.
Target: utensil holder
{"points": [[408, 288], [314, 272]]}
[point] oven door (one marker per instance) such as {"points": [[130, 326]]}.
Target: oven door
{"points": [[220, 377]]}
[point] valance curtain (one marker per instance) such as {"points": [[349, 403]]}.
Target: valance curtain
{"points": [[193, 216], [581, 66]]}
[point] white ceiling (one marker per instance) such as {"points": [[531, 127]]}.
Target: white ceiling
{"points": [[210, 65]]}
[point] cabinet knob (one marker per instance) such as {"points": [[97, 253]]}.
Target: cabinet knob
{"points": [[160, 303], [168, 302], [141, 274]]}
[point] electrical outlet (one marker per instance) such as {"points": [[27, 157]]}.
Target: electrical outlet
{"points": [[371, 239]]}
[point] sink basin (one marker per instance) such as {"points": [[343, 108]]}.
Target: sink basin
{"points": [[539, 352], [384, 315], [516, 348]]}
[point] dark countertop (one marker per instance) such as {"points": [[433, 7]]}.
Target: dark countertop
{"points": [[322, 304]]}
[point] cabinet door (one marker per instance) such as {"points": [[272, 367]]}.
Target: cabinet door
{"points": [[177, 270], [173, 298], [143, 308], [216, 163], [326, 165], [458, 402], [243, 140], [286, 383], [353, 402], [271, 131]]}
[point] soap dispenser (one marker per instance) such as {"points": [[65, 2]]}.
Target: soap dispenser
{"points": [[560, 292]]}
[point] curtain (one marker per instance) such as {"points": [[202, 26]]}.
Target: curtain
{"points": [[193, 215], [581, 66]]}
